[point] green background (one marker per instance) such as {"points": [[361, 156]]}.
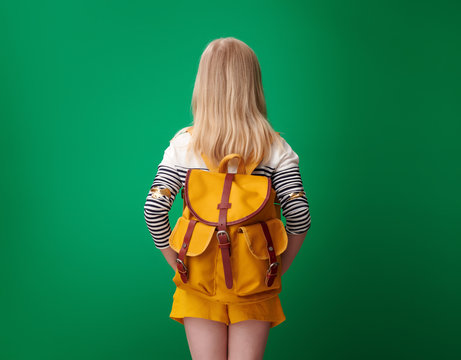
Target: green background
{"points": [[366, 92]]}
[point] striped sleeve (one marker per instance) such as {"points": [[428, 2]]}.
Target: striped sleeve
{"points": [[287, 182], [156, 208]]}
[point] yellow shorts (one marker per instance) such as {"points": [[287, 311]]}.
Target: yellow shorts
{"points": [[187, 304]]}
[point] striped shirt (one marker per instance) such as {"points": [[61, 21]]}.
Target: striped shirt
{"points": [[282, 168]]}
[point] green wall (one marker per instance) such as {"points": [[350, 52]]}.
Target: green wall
{"points": [[366, 92]]}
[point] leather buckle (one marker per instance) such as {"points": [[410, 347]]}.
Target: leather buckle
{"points": [[226, 243], [274, 264], [269, 272], [185, 270]]}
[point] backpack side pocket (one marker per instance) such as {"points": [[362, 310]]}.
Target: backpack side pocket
{"points": [[200, 258], [252, 258]]}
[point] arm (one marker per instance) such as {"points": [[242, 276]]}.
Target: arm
{"points": [[288, 184], [294, 244], [158, 203], [170, 256], [295, 209], [166, 185]]}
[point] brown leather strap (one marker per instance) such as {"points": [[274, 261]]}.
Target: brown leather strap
{"points": [[182, 268], [223, 235], [273, 264]]}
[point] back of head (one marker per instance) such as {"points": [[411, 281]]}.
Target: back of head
{"points": [[228, 104]]}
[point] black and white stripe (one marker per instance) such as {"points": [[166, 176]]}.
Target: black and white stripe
{"points": [[295, 211], [156, 210]]}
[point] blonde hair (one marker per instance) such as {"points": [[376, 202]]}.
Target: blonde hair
{"points": [[228, 104]]}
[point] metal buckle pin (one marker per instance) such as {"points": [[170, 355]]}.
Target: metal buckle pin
{"points": [[186, 270], [272, 265], [228, 239]]}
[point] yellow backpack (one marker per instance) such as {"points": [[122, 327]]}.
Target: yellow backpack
{"points": [[230, 237]]}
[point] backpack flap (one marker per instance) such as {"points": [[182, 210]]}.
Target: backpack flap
{"points": [[203, 191], [256, 241], [199, 241]]}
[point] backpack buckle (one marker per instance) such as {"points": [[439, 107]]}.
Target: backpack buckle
{"points": [[184, 270], [225, 244], [269, 275]]}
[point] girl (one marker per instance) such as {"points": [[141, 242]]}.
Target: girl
{"points": [[229, 112]]}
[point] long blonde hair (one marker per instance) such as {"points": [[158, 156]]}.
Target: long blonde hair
{"points": [[228, 104]]}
